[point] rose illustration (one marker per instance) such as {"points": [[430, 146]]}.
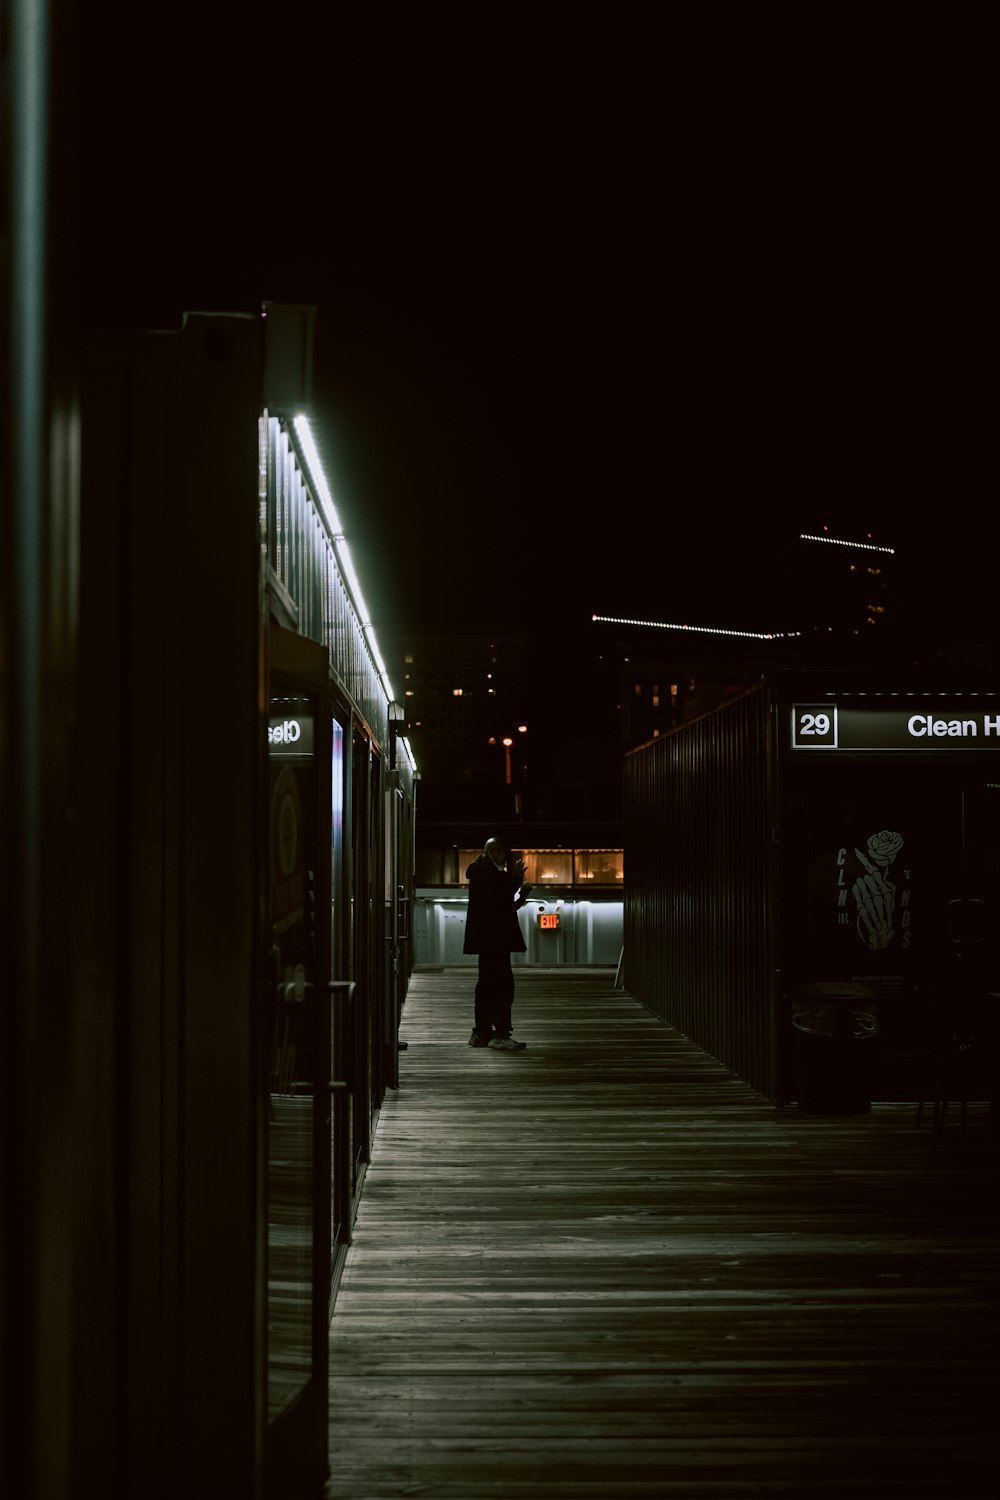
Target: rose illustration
{"points": [[883, 847]]}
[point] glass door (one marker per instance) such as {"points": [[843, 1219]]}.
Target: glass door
{"points": [[298, 1094], [341, 1009], [361, 903], [960, 953]]}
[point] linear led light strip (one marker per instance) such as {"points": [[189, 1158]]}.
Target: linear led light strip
{"points": [[836, 541], [321, 491], [752, 635]]}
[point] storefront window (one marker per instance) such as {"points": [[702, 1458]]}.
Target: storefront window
{"points": [[587, 867], [549, 866], [599, 866]]}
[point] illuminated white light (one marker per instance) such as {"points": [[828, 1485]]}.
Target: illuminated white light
{"points": [[347, 564], [320, 487], [752, 635], [836, 541], [321, 492]]}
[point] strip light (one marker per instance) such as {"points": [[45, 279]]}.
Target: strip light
{"points": [[837, 541], [751, 635], [321, 492]]}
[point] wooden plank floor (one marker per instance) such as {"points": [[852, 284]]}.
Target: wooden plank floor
{"points": [[605, 1267]]}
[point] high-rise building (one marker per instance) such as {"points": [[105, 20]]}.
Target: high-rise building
{"points": [[844, 586], [508, 731], [464, 696]]}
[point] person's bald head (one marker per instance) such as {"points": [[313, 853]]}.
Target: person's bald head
{"points": [[495, 851]]}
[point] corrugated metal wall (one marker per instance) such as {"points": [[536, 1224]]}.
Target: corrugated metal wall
{"points": [[698, 884]]}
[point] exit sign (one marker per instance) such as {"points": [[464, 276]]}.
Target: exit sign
{"points": [[548, 919]]}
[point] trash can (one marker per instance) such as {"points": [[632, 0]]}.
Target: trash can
{"points": [[834, 1026]]}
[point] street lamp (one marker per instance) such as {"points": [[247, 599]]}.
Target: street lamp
{"points": [[506, 746]]}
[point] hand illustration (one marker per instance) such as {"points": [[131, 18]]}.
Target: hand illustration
{"points": [[876, 899]]}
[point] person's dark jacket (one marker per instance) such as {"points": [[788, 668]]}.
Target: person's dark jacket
{"points": [[491, 925]]}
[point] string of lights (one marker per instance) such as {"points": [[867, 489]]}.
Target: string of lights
{"points": [[836, 541], [750, 635]]}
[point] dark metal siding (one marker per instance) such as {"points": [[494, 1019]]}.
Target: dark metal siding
{"points": [[698, 881]]}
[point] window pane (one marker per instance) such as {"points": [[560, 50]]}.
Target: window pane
{"points": [[548, 866], [600, 866]]}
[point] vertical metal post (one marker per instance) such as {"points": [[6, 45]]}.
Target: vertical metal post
{"points": [[21, 772]]}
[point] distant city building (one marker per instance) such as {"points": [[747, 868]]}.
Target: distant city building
{"points": [[846, 585], [463, 696], [511, 734], [820, 600], [660, 694]]}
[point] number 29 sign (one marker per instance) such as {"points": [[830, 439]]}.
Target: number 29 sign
{"points": [[928, 727], [814, 727]]}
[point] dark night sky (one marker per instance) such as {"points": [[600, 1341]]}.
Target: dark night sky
{"points": [[605, 318]]}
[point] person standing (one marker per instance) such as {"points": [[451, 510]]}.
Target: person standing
{"points": [[492, 930]]}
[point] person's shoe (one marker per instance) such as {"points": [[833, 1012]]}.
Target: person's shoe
{"points": [[475, 1040], [506, 1044]]}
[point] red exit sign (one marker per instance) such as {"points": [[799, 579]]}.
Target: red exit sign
{"points": [[548, 919]]}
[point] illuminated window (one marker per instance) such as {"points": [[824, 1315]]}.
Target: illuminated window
{"points": [[548, 866], [600, 866], [555, 867]]}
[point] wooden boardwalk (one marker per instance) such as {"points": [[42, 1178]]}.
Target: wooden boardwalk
{"points": [[606, 1267]]}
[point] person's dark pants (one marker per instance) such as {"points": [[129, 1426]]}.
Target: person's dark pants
{"points": [[494, 995]]}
